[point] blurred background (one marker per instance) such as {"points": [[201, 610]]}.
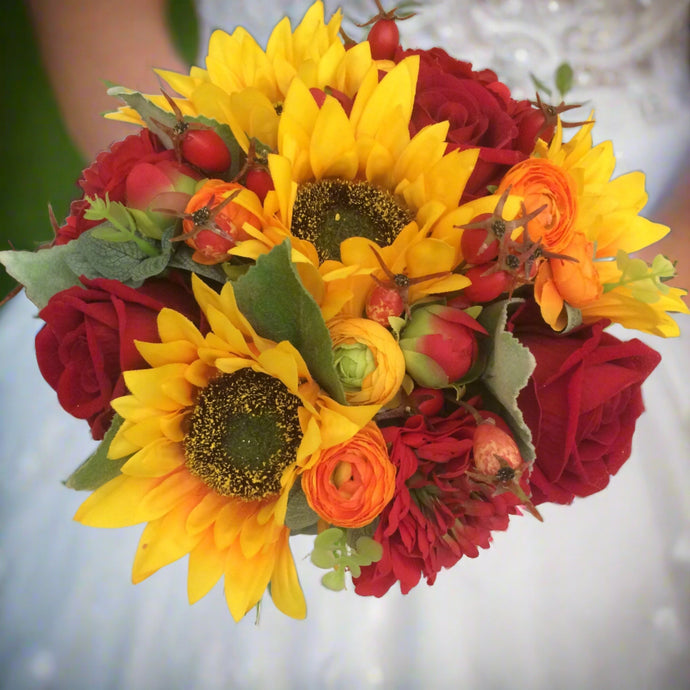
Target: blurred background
{"points": [[41, 164]]}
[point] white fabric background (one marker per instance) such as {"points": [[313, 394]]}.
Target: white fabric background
{"points": [[597, 596]]}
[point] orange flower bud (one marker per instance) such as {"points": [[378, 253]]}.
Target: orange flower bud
{"points": [[352, 482], [379, 382], [539, 182], [577, 281], [221, 223]]}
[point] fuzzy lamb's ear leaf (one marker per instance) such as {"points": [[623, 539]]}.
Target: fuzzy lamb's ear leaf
{"points": [[300, 518], [98, 468], [278, 306], [508, 369], [42, 273]]}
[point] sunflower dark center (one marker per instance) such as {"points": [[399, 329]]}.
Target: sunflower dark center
{"points": [[244, 431], [330, 211]]}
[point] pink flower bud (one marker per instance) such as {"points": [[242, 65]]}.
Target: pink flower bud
{"points": [[439, 344], [146, 181]]}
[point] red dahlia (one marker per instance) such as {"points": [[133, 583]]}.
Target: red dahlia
{"points": [[438, 514]]}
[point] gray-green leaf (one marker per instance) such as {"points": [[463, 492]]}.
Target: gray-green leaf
{"points": [[271, 296], [98, 468]]}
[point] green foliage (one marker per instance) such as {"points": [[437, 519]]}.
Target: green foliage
{"points": [[300, 518], [563, 79], [95, 254], [42, 273], [271, 295], [332, 552], [98, 468], [121, 225], [509, 365], [645, 282]]}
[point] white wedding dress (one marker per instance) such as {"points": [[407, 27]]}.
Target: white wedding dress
{"points": [[598, 596]]}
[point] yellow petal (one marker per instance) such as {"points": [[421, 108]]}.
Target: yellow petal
{"points": [[116, 503], [155, 460], [206, 565], [286, 592], [163, 542]]}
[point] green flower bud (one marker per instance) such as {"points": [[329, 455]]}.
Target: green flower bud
{"points": [[353, 363]]}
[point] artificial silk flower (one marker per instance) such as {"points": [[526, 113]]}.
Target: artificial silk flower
{"points": [[215, 433], [352, 261]]}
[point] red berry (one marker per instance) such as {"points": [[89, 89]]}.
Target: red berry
{"points": [[471, 243], [382, 303], [206, 150], [486, 286], [384, 38], [260, 182]]}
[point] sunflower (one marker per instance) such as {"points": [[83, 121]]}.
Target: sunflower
{"points": [[215, 433], [352, 189], [244, 86]]}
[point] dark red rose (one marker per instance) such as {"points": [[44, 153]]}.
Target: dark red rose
{"points": [[88, 340], [108, 175], [480, 111], [438, 513], [581, 404]]}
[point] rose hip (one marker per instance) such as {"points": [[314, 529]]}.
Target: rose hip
{"points": [[206, 150], [477, 247], [260, 182], [486, 286], [383, 38], [382, 303]]}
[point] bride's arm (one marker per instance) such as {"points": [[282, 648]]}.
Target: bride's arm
{"points": [[84, 42]]}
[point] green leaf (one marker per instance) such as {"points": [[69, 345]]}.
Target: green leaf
{"points": [[330, 538], [271, 296], [94, 257], [322, 558], [564, 78], [334, 580], [540, 85], [182, 258], [43, 273], [98, 468], [509, 367], [152, 115], [369, 550], [299, 516]]}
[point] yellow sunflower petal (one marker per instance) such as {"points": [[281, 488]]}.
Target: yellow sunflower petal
{"points": [[206, 566], [162, 542], [285, 588]]}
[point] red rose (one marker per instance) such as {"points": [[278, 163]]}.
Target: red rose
{"points": [[438, 513], [581, 404], [108, 175], [88, 340], [481, 113]]}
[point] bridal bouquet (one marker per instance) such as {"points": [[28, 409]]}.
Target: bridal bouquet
{"points": [[348, 290]]}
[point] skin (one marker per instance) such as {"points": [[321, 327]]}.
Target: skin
{"points": [[83, 42], [674, 212]]}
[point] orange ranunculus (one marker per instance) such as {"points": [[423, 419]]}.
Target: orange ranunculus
{"points": [[351, 483], [539, 182], [219, 227], [575, 282], [368, 359]]}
